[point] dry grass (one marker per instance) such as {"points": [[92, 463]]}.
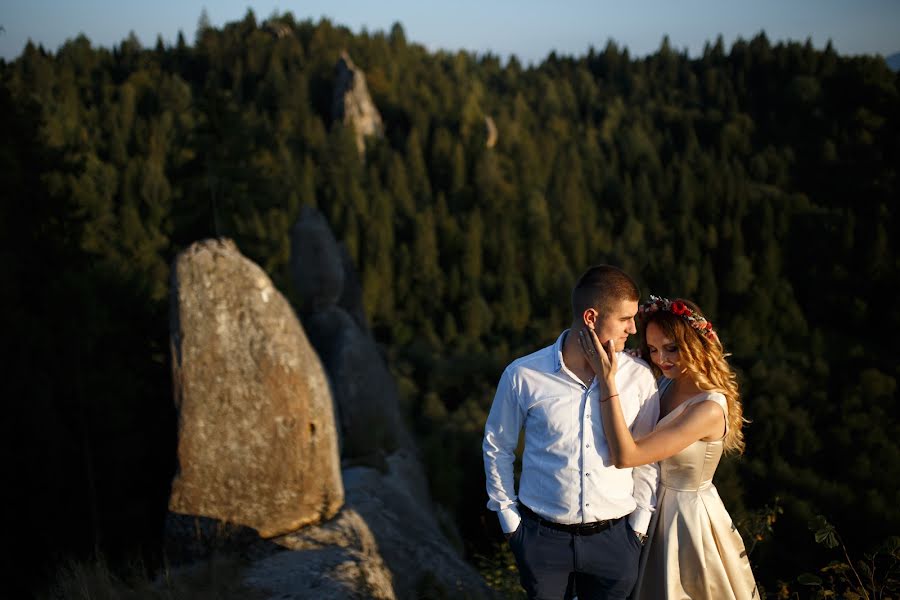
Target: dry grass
{"points": [[216, 579]]}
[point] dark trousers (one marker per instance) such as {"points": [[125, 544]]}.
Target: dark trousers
{"points": [[555, 564]]}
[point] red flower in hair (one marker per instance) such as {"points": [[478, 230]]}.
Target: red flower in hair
{"points": [[694, 319]]}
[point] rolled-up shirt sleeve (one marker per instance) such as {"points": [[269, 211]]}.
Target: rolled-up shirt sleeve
{"points": [[501, 437], [646, 477]]}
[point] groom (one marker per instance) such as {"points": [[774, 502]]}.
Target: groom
{"points": [[577, 518]]}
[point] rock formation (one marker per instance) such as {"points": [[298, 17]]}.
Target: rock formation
{"points": [[365, 394], [383, 478], [338, 559], [258, 440], [257, 445], [491, 129], [352, 105], [277, 29]]}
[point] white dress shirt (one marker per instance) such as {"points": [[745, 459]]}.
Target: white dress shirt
{"points": [[567, 474]]}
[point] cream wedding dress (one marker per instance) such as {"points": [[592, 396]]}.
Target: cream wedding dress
{"points": [[694, 551]]}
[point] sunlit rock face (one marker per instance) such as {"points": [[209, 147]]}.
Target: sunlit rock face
{"points": [[257, 442], [352, 105]]}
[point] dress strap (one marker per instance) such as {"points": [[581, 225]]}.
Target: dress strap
{"points": [[718, 398]]}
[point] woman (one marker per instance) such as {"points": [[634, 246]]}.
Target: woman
{"points": [[693, 551]]}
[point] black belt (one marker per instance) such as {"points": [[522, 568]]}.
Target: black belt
{"points": [[575, 528]]}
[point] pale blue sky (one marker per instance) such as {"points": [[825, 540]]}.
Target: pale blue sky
{"points": [[530, 29]]}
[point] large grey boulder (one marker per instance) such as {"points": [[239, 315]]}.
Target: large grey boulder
{"points": [[337, 559], [384, 544], [409, 537], [257, 442]]}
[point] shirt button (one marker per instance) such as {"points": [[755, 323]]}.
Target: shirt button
{"points": [[588, 504], [587, 474], [587, 446]]}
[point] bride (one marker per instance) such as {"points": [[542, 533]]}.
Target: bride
{"points": [[693, 550]]}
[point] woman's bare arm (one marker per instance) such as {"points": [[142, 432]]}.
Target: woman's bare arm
{"points": [[702, 420]]}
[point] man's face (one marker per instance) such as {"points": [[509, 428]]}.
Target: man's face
{"points": [[617, 324]]}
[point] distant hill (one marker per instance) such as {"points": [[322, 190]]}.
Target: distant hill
{"points": [[893, 61]]}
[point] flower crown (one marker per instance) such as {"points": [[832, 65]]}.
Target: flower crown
{"points": [[695, 319]]}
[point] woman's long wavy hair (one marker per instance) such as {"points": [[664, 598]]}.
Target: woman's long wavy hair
{"points": [[704, 359]]}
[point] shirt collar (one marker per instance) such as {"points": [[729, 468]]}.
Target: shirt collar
{"points": [[557, 351]]}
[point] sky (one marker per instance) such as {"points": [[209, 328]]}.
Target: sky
{"points": [[528, 29]]}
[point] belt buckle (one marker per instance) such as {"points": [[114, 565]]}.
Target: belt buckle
{"points": [[588, 528], [598, 526]]}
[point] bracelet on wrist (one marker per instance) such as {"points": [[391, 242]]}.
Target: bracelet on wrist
{"points": [[608, 397]]}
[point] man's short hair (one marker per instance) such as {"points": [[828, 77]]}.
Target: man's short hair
{"points": [[600, 287]]}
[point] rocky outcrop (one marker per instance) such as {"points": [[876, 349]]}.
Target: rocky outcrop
{"points": [[365, 394], [277, 29], [317, 267], [257, 444], [409, 537], [338, 559], [258, 455], [352, 105], [383, 478], [491, 130]]}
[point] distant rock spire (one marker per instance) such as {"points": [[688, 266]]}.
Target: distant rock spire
{"points": [[352, 105], [277, 29], [491, 128]]}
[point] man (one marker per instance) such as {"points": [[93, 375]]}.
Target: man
{"points": [[577, 519]]}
